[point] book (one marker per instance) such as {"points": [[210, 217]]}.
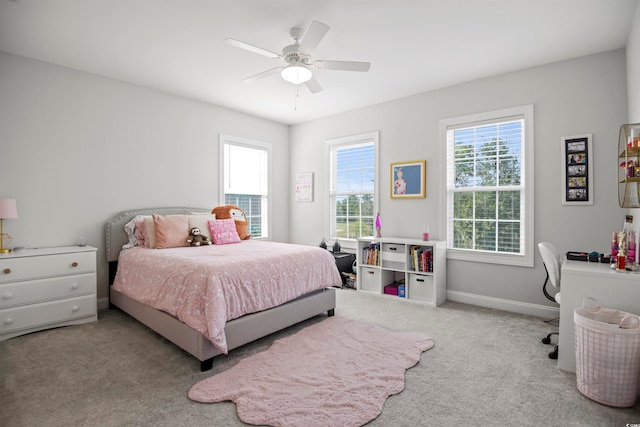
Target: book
{"points": [[371, 254]]}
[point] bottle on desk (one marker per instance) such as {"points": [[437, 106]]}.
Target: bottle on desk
{"points": [[614, 246], [620, 265], [622, 251], [631, 251]]}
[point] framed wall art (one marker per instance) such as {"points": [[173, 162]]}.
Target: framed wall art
{"points": [[409, 179], [304, 187], [577, 170]]}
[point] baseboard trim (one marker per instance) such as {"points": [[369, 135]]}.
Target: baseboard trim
{"points": [[504, 304], [103, 303]]}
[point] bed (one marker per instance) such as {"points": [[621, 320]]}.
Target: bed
{"points": [[200, 338]]}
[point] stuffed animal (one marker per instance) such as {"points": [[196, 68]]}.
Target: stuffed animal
{"points": [[232, 211], [196, 238]]}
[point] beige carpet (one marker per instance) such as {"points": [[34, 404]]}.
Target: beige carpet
{"points": [[338, 372], [488, 368]]}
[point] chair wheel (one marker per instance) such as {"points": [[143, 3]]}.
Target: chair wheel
{"points": [[546, 340], [554, 353]]}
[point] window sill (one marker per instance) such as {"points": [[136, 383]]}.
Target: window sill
{"points": [[349, 244], [490, 258]]}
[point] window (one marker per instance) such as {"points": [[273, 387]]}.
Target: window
{"points": [[352, 183], [489, 186], [244, 180]]}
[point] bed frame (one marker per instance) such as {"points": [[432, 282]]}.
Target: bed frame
{"points": [[238, 331]]}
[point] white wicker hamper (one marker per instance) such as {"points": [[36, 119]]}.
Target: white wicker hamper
{"points": [[607, 355]]}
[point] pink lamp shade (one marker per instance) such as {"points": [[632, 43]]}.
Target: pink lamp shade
{"points": [[8, 209]]}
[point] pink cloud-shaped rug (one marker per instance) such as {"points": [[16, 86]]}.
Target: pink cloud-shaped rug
{"points": [[335, 372]]}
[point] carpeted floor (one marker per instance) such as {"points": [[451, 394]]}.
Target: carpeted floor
{"points": [[488, 368]]}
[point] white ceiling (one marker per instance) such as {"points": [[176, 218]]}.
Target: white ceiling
{"points": [[414, 46]]}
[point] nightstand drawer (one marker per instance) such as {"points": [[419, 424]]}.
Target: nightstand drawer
{"points": [[36, 267], [13, 319], [14, 294]]}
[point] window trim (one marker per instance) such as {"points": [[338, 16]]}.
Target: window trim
{"points": [[527, 259], [248, 143], [350, 140]]}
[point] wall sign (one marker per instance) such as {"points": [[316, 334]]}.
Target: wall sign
{"points": [[304, 187]]}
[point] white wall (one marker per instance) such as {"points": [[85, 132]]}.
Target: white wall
{"points": [[633, 86], [633, 69], [76, 149], [583, 95]]}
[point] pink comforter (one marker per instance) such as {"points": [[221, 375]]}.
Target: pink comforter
{"points": [[206, 286]]}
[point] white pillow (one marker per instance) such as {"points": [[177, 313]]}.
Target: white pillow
{"points": [[150, 233], [202, 222]]}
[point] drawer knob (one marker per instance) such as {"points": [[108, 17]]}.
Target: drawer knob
{"points": [[371, 272], [75, 308], [75, 286], [8, 321], [74, 264], [6, 271], [7, 295]]}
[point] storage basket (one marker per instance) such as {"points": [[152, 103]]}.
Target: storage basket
{"points": [[607, 355]]}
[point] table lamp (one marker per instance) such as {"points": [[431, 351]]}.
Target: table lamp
{"points": [[8, 210]]}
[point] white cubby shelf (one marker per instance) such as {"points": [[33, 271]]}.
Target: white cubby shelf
{"points": [[420, 266]]}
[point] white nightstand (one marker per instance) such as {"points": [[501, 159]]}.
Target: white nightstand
{"points": [[46, 288]]}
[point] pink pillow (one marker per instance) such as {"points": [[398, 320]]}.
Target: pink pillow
{"points": [[172, 231], [224, 231]]}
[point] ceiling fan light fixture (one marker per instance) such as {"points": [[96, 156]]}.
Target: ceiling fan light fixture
{"points": [[296, 74]]}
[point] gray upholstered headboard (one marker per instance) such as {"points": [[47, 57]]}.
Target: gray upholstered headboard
{"points": [[116, 237]]}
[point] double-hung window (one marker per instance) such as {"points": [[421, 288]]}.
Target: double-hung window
{"points": [[244, 180], [489, 186], [352, 183]]}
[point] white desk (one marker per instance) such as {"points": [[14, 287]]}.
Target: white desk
{"points": [[580, 280]]}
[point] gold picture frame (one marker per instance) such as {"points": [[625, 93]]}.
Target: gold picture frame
{"points": [[409, 180]]}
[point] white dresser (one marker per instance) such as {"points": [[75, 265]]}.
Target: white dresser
{"points": [[46, 288]]}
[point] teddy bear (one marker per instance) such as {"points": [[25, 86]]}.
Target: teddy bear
{"points": [[196, 238], [233, 211]]}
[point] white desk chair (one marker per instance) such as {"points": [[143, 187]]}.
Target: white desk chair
{"points": [[552, 261]]}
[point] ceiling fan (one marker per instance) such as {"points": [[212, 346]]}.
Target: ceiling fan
{"points": [[299, 67]]}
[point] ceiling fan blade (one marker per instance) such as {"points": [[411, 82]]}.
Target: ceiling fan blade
{"points": [[341, 65], [313, 37], [313, 85], [262, 75], [252, 48]]}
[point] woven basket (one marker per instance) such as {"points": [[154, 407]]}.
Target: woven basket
{"points": [[607, 355]]}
